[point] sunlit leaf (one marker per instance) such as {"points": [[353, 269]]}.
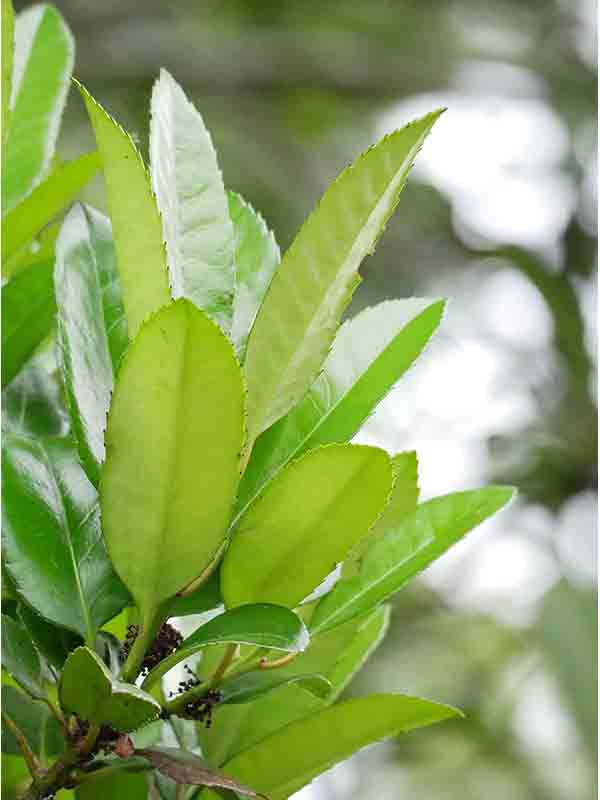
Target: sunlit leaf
{"points": [[8, 47], [32, 404]]}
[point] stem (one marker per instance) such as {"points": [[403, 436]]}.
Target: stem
{"points": [[161, 669], [146, 633], [230, 653], [278, 662], [180, 791], [33, 765]]}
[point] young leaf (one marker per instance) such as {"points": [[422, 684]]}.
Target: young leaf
{"points": [[57, 191], [260, 624], [20, 658], [297, 321], [32, 404], [88, 689], [52, 541], [92, 331], [184, 439], [135, 220], [28, 309], [192, 202], [34, 720], [405, 550], [8, 47], [304, 522], [256, 259], [43, 62], [245, 688], [370, 354], [284, 762], [187, 768]]}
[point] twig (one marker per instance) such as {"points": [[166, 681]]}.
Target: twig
{"points": [[33, 765]]}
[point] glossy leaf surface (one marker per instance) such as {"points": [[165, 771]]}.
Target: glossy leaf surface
{"points": [[92, 330], [51, 196], [28, 310], [370, 354], [184, 439], [284, 762], [34, 720], [52, 541], [20, 658], [32, 404], [298, 319], [245, 688], [88, 689], [191, 198], [43, 62], [304, 522], [135, 220], [405, 550], [256, 259]]}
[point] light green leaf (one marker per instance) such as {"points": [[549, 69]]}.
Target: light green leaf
{"points": [[92, 330], [297, 321], [184, 441], [8, 48], [191, 198], [284, 762], [88, 689], [28, 310], [20, 658], [136, 224], [245, 688], [51, 196], [304, 522], [52, 541], [43, 62], [39, 249], [206, 597], [370, 354], [34, 720], [260, 624], [405, 550], [256, 259]]}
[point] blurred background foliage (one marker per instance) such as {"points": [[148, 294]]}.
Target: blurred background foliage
{"points": [[500, 216]]}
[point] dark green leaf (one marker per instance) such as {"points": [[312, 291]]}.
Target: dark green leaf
{"points": [[28, 310], [92, 330], [53, 642], [34, 720], [245, 688], [33, 405], [121, 785], [52, 541], [405, 550], [20, 658]]}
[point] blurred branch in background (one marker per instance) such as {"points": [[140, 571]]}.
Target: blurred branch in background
{"points": [[500, 215]]}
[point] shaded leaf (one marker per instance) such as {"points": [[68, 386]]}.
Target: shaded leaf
{"points": [[92, 330], [206, 597], [88, 689], [284, 762], [20, 658], [32, 404], [28, 309], [256, 259], [34, 720], [405, 550], [191, 198], [122, 784], [184, 767], [136, 225], [297, 321], [370, 354], [185, 440], [53, 642], [52, 541], [304, 522], [58, 190], [43, 62], [245, 688]]}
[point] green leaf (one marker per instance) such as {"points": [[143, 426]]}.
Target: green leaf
{"points": [[185, 440], [20, 658], [405, 550], [8, 48], [88, 689], [245, 688], [260, 624], [92, 331], [34, 720], [256, 259], [284, 762], [304, 522], [297, 321], [52, 540], [53, 642], [370, 354], [206, 597], [135, 220], [32, 404], [39, 249], [43, 62], [192, 202], [28, 309], [121, 784], [57, 191]]}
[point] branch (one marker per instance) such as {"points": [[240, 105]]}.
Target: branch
{"points": [[33, 765]]}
